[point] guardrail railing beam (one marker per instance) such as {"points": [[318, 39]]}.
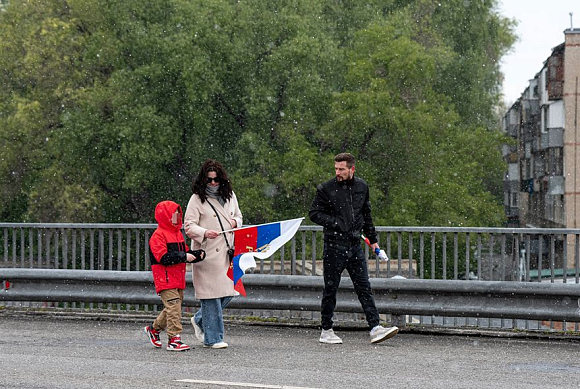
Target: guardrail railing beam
{"points": [[489, 299]]}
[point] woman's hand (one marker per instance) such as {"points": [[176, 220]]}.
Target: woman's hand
{"points": [[211, 234], [234, 223]]}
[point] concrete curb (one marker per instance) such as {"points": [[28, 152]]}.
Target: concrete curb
{"points": [[137, 317]]}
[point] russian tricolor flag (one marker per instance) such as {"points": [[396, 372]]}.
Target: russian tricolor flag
{"points": [[259, 241]]}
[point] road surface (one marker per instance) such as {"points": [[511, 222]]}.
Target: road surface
{"points": [[48, 352]]}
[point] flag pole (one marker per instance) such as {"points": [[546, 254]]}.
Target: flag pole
{"points": [[258, 225]]}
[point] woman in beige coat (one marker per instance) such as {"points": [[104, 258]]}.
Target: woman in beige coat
{"points": [[212, 286]]}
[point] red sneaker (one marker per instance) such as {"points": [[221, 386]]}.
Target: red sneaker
{"points": [[153, 335], [175, 344]]}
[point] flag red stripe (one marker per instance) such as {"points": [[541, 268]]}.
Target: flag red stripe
{"points": [[246, 240]]}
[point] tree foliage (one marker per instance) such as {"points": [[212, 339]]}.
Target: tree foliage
{"points": [[108, 107]]}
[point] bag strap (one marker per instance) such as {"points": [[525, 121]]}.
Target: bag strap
{"points": [[219, 220]]}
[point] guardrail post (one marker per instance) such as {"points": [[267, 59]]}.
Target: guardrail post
{"points": [[399, 321]]}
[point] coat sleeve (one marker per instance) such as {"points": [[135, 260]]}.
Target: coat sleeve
{"points": [[191, 220], [368, 226], [321, 210], [158, 246], [173, 258], [237, 213]]}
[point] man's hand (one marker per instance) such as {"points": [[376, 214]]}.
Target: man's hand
{"points": [[380, 253], [211, 234], [383, 256]]}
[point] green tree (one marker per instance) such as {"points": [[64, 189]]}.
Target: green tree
{"points": [[107, 108], [434, 167]]}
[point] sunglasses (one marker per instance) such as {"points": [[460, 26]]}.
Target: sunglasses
{"points": [[214, 179]]}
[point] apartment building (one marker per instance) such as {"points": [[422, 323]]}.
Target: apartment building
{"points": [[542, 183]]}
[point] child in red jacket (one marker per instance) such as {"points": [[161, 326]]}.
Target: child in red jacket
{"points": [[169, 253]]}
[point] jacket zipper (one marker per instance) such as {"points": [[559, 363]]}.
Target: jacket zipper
{"points": [[351, 210]]}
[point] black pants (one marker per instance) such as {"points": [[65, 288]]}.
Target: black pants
{"points": [[337, 257]]}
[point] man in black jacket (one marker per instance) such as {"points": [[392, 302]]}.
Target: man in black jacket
{"points": [[343, 208]]}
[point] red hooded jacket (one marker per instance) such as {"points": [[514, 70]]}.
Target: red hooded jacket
{"points": [[168, 249]]}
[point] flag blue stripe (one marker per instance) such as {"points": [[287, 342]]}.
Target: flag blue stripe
{"points": [[267, 233], [238, 273]]}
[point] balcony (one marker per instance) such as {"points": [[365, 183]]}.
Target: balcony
{"points": [[511, 186], [512, 130], [556, 185], [531, 109], [513, 173], [553, 138]]}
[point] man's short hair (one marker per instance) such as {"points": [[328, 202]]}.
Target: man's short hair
{"points": [[347, 157]]}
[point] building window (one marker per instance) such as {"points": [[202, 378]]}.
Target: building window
{"points": [[549, 207], [513, 199], [528, 169], [555, 163], [545, 115]]}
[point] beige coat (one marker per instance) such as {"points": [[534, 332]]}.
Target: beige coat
{"points": [[210, 278]]}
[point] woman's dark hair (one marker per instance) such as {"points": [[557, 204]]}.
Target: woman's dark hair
{"points": [[200, 182]]}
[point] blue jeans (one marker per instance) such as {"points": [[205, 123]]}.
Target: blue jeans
{"points": [[210, 319]]}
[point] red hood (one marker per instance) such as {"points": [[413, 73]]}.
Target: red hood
{"points": [[163, 212]]}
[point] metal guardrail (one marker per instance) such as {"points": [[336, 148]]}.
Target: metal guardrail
{"points": [[490, 299], [476, 255], [491, 254]]}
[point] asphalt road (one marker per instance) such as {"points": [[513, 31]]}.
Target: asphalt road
{"points": [[40, 352]]}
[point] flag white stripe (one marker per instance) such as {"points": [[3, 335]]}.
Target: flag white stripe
{"points": [[290, 227], [247, 261]]}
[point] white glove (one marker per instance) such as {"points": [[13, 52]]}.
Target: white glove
{"points": [[382, 255]]}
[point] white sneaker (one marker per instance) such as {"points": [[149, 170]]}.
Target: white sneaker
{"points": [[380, 333], [216, 345], [328, 336], [198, 330]]}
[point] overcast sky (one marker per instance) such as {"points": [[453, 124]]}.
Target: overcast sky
{"points": [[541, 25]]}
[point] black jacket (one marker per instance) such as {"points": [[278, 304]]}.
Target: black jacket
{"points": [[344, 210]]}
